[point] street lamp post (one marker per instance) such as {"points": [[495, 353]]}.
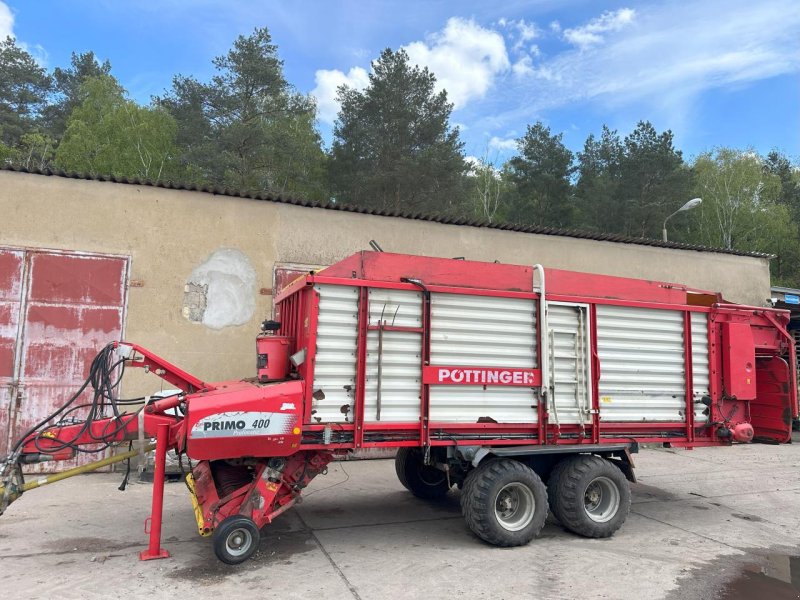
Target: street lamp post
{"points": [[688, 206]]}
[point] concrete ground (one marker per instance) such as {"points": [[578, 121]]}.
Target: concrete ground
{"points": [[697, 517]]}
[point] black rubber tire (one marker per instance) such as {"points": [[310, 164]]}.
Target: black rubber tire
{"points": [[420, 479], [567, 488], [481, 493], [225, 540]]}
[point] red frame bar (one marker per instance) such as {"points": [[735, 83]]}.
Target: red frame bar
{"points": [[425, 390], [310, 323], [688, 374], [595, 391], [166, 370], [155, 551], [361, 365]]}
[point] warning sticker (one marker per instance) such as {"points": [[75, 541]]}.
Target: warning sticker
{"points": [[243, 424]]}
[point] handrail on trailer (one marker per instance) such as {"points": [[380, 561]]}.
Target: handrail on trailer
{"points": [[543, 329], [544, 350]]}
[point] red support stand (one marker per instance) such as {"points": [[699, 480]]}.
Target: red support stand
{"points": [[155, 550]]}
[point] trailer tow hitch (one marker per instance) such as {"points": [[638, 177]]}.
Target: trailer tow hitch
{"points": [[12, 480]]}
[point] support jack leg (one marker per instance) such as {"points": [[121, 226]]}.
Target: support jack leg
{"points": [[154, 550]]}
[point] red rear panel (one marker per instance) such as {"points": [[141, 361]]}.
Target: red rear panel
{"points": [[738, 361]]}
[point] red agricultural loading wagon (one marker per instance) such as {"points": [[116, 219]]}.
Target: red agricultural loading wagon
{"points": [[490, 377]]}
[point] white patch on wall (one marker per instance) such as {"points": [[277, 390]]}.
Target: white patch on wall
{"points": [[220, 292]]}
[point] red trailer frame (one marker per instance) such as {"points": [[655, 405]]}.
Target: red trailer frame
{"points": [[371, 270]]}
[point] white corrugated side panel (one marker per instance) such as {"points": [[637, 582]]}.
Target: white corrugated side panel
{"points": [[641, 364], [401, 363], [335, 366], [569, 363], [400, 308], [700, 381], [482, 331]]}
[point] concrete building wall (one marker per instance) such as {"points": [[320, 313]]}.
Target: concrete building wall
{"points": [[170, 234]]}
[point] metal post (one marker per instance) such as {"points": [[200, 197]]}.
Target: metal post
{"points": [[155, 550]]}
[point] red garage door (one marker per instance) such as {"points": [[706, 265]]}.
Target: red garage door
{"points": [[57, 310]]}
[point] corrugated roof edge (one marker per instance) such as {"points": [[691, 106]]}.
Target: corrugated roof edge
{"points": [[269, 197]]}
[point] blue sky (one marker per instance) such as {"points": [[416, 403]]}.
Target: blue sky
{"points": [[718, 73]]}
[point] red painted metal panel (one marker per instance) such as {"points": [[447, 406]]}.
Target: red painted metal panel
{"points": [[771, 412], [11, 274], [7, 395], [387, 267], [72, 307], [739, 361], [283, 277], [12, 263], [77, 279]]}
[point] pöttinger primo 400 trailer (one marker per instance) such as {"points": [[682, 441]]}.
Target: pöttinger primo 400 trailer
{"points": [[528, 388]]}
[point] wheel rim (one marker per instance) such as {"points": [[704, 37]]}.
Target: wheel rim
{"points": [[601, 499], [238, 541], [514, 506]]}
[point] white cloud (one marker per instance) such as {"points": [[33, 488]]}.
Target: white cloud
{"points": [[473, 161], [670, 56], [328, 82], [523, 67], [523, 31], [590, 34], [506, 144], [527, 31], [464, 57], [6, 21], [37, 51]]}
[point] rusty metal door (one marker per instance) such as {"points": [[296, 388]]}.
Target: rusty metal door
{"points": [[11, 271], [70, 305]]}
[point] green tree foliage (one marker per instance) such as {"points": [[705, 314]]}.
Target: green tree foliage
{"points": [[393, 147], [67, 84], [654, 180], [779, 165], [630, 186], [735, 190], [248, 128], [24, 87], [36, 150], [109, 134], [540, 176], [488, 191], [597, 187], [741, 209]]}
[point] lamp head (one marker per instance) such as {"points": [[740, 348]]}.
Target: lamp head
{"points": [[690, 204]]}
